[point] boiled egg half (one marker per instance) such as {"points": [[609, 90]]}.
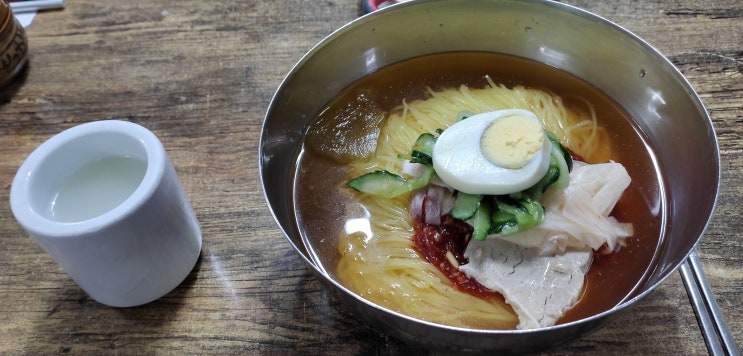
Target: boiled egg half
{"points": [[493, 153]]}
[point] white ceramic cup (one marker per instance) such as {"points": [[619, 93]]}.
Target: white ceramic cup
{"points": [[124, 243]]}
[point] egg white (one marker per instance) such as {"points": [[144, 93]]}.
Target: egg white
{"points": [[459, 162]]}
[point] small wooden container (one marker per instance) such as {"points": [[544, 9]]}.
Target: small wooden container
{"points": [[13, 45]]}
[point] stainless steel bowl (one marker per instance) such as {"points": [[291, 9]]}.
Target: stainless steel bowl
{"points": [[620, 64]]}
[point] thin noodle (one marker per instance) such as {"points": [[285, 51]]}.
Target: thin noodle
{"points": [[385, 268]]}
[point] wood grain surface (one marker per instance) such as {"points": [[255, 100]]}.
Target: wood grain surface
{"points": [[200, 74]]}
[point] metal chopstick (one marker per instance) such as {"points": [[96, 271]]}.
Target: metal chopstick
{"points": [[715, 330]]}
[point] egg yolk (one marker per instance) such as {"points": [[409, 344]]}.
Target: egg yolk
{"points": [[512, 141]]}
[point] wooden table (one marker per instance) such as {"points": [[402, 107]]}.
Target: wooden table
{"points": [[200, 74]]}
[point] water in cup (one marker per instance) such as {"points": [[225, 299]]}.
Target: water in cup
{"points": [[96, 188]]}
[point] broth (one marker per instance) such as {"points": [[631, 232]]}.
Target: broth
{"points": [[352, 118]]}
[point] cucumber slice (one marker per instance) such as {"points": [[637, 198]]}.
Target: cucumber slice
{"points": [[380, 183], [481, 221], [558, 157], [511, 215], [389, 185], [423, 149], [565, 154], [464, 114], [465, 206], [503, 223]]}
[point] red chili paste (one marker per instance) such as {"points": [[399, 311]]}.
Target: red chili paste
{"points": [[434, 241]]}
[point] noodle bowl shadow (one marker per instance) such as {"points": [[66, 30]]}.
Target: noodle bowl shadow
{"points": [[635, 75]]}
